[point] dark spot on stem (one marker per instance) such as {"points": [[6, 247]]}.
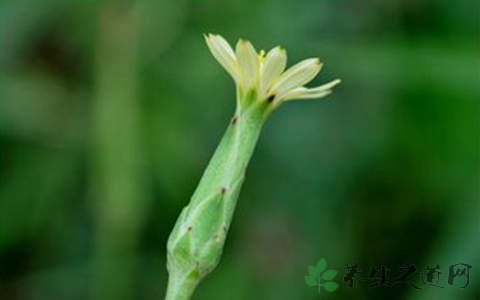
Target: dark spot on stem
{"points": [[234, 120], [223, 190], [225, 229], [189, 229], [271, 98]]}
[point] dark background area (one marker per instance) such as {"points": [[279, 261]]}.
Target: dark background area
{"points": [[110, 111]]}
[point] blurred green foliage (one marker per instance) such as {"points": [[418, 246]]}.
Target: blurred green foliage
{"points": [[110, 111]]}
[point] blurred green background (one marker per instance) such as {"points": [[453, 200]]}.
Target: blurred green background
{"points": [[110, 111]]}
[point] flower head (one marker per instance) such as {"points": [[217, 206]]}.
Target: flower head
{"points": [[266, 74]]}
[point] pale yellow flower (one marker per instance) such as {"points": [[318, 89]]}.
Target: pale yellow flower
{"points": [[266, 74]]}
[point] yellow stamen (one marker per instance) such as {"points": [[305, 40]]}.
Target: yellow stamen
{"points": [[261, 56]]}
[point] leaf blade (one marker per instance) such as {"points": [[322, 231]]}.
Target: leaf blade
{"points": [[329, 275], [321, 265], [330, 286], [313, 271], [311, 281]]}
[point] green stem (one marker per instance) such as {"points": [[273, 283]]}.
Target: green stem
{"points": [[116, 179], [181, 287], [196, 242]]}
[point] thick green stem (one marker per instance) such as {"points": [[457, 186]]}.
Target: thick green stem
{"points": [[196, 242], [181, 286]]}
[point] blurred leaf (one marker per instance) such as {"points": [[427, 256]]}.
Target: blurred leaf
{"points": [[32, 191], [321, 265], [311, 281], [330, 286], [329, 275], [313, 271]]}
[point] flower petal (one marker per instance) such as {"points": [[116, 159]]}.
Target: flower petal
{"points": [[224, 54], [307, 93], [272, 67], [303, 93], [248, 62], [298, 75], [326, 86]]}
